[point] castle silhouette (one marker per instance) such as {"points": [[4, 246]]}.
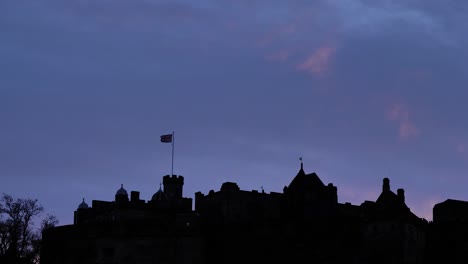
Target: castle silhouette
{"points": [[303, 223]]}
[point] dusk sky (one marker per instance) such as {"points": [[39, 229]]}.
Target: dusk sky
{"points": [[360, 89]]}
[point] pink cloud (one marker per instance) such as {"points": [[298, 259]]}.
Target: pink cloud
{"points": [[407, 129], [401, 115], [318, 63], [281, 56], [276, 34]]}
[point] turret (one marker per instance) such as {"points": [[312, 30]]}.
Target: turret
{"points": [[173, 186]]}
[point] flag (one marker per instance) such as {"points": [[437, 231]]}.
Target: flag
{"points": [[166, 138]]}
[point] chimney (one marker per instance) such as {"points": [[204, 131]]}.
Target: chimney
{"points": [[401, 195], [134, 196], [386, 185]]}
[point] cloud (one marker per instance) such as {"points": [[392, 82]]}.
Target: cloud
{"points": [[276, 34], [400, 114], [318, 63], [280, 56]]}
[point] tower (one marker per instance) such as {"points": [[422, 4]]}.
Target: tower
{"points": [[173, 186]]}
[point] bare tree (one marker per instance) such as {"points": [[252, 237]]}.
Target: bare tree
{"points": [[48, 222], [19, 242]]}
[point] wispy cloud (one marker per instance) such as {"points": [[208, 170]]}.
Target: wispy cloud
{"points": [[280, 56], [276, 34], [400, 114], [319, 62]]}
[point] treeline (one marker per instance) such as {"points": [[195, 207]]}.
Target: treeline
{"points": [[20, 238]]}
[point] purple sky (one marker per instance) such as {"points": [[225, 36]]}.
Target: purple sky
{"points": [[361, 90]]}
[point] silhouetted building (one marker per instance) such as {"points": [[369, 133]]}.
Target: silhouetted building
{"points": [[392, 233], [451, 211], [303, 222], [162, 230], [448, 233]]}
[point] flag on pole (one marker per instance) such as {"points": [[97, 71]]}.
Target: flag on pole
{"points": [[166, 138], [169, 138]]}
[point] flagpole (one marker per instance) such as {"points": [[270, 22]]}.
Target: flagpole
{"points": [[172, 168]]}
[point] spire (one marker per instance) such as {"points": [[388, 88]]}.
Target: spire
{"points": [[301, 171]]}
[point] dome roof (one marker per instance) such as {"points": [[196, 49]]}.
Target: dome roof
{"points": [[159, 195], [121, 191], [83, 205]]}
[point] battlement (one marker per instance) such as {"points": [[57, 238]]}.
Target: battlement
{"points": [[173, 186], [173, 179]]}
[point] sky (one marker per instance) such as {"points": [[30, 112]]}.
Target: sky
{"points": [[361, 89]]}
